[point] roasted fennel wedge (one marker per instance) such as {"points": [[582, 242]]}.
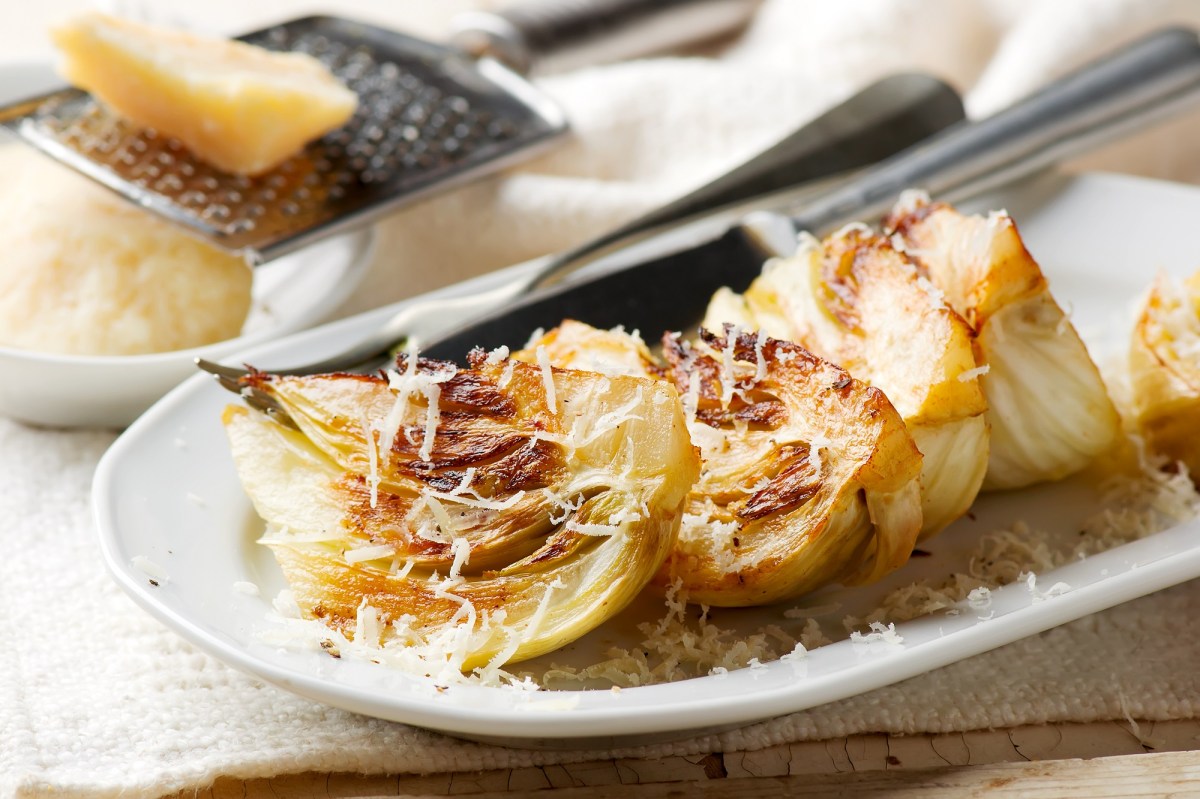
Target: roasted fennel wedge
{"points": [[476, 517], [856, 301], [1164, 366], [809, 476], [1049, 410]]}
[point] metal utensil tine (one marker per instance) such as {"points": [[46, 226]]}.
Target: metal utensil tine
{"points": [[230, 379]]}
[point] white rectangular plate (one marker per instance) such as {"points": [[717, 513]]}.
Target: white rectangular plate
{"points": [[167, 492]]}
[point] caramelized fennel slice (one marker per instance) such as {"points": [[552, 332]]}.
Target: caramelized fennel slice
{"points": [[1049, 411], [856, 301], [526, 523], [808, 478], [1164, 365]]}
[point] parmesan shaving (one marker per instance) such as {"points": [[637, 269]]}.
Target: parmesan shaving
{"points": [[760, 363], [562, 508], [402, 384], [728, 376], [460, 548], [363, 554], [910, 200], [372, 461], [819, 442], [534, 337], [474, 501], [968, 375], [497, 355], [285, 605], [691, 400], [852, 227], [593, 529], [465, 484], [150, 568], [506, 375], [433, 416], [367, 628], [405, 385], [445, 524], [543, 359]]}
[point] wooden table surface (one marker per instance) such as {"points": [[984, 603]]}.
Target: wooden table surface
{"points": [[1092, 760]]}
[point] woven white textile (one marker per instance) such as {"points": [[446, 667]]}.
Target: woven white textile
{"points": [[97, 698]]}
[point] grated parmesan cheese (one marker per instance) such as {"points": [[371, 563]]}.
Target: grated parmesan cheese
{"points": [[879, 634], [980, 598]]}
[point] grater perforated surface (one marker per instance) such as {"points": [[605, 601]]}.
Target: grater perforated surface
{"points": [[428, 118]]}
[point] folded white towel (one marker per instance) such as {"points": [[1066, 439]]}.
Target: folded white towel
{"points": [[97, 698]]}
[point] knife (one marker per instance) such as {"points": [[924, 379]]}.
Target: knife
{"points": [[1157, 77]]}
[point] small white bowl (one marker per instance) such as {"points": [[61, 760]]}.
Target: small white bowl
{"points": [[292, 293]]}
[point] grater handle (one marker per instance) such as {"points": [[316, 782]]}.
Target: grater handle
{"points": [[555, 35], [1154, 78]]}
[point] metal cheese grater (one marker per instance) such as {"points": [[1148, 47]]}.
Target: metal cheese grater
{"points": [[430, 117]]}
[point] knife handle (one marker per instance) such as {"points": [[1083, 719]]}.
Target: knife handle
{"points": [[1155, 77], [554, 35]]}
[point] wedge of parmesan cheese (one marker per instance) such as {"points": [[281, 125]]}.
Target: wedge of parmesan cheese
{"points": [[241, 108]]}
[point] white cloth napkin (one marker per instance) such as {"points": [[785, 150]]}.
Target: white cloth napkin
{"points": [[97, 698]]}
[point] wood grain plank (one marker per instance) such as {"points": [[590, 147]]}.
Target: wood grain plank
{"points": [[836, 762], [1144, 775]]}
